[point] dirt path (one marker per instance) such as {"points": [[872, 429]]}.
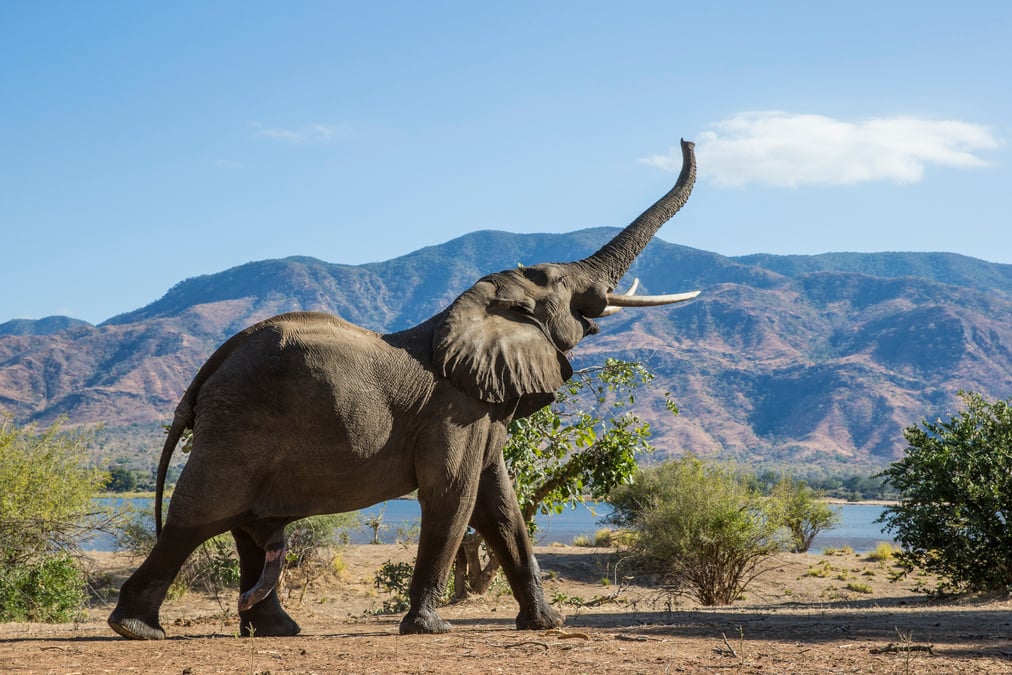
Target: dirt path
{"points": [[799, 618]]}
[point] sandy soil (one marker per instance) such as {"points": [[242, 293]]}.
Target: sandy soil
{"points": [[798, 618]]}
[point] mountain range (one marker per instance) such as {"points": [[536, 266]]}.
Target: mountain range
{"points": [[789, 360]]}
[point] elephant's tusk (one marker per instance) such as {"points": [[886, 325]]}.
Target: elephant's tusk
{"points": [[617, 301], [611, 309], [651, 300]]}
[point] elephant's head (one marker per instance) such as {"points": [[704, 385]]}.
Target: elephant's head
{"points": [[506, 337]]}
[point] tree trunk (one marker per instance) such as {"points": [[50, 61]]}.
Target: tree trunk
{"points": [[470, 575]]}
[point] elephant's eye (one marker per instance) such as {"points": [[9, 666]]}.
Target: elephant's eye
{"points": [[522, 308]]}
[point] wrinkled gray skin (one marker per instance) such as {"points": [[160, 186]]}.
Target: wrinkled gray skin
{"points": [[306, 414]]}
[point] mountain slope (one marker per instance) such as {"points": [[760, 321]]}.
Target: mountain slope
{"points": [[782, 359]]}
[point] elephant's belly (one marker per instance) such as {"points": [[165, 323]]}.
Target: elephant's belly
{"points": [[334, 474]]}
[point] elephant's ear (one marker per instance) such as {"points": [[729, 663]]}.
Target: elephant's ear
{"points": [[488, 347]]}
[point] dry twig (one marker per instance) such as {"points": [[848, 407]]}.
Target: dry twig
{"points": [[536, 643], [729, 647], [893, 648], [563, 635]]}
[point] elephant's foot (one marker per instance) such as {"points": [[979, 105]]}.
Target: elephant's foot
{"points": [[424, 621], [135, 628], [542, 617], [267, 620]]}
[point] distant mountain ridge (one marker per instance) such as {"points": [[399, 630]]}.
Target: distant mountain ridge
{"points": [[44, 326], [948, 268], [782, 359]]}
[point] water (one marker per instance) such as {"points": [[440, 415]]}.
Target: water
{"points": [[561, 527], [857, 527]]}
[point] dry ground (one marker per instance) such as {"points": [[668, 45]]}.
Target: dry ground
{"points": [[798, 618]]}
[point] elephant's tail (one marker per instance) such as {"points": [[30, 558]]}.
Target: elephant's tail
{"points": [[186, 411], [182, 421]]}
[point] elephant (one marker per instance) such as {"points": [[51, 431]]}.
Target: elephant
{"points": [[305, 414]]}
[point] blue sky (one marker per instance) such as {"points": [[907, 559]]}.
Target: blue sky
{"points": [[144, 143]]}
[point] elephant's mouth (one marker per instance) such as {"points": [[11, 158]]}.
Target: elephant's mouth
{"points": [[589, 327]]}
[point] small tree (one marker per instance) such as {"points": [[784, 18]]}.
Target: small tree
{"points": [[582, 446], [954, 516], [311, 551], [801, 512], [121, 480], [46, 508], [700, 526]]}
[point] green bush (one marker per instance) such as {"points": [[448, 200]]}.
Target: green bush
{"points": [[46, 508], [394, 578], [955, 504], [49, 590], [700, 526]]}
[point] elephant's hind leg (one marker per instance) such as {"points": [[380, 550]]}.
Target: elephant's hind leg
{"points": [[274, 562], [140, 598], [260, 611]]}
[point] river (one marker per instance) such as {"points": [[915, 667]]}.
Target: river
{"points": [[857, 528]]}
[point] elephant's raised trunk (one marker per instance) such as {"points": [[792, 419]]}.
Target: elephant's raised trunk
{"points": [[612, 261]]}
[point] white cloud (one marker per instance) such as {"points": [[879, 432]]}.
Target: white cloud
{"points": [[788, 150], [310, 133]]}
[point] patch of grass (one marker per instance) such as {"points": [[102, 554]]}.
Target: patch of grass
{"points": [[822, 569], [884, 552], [858, 587], [603, 538], [843, 550]]}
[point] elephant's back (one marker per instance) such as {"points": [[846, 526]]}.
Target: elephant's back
{"points": [[313, 378]]}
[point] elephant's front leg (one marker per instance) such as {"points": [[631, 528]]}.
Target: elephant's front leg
{"points": [[445, 513], [498, 519]]}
